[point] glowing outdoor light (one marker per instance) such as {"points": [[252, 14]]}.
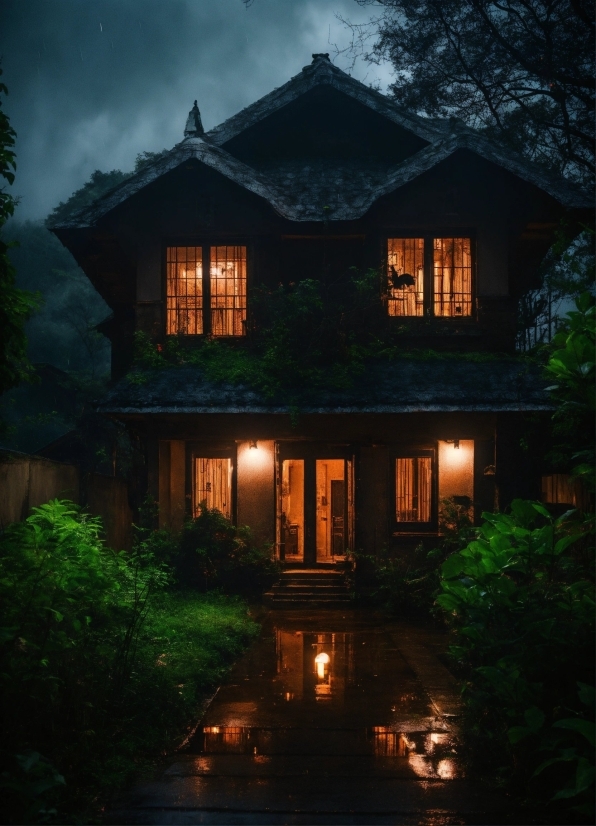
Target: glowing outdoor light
{"points": [[321, 661], [252, 445], [456, 444]]}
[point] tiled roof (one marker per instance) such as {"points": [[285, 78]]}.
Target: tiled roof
{"points": [[299, 190], [403, 386]]}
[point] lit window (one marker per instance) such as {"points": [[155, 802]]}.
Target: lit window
{"points": [[452, 266], [184, 292], [228, 291], [212, 485], [409, 292], [206, 290], [413, 486], [405, 272]]}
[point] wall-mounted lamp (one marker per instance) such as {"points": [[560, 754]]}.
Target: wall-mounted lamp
{"points": [[456, 444], [252, 444]]}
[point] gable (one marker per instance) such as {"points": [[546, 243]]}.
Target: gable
{"points": [[324, 123]]}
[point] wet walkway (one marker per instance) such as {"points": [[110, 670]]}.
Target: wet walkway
{"points": [[331, 717]]}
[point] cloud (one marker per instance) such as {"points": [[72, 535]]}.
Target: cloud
{"points": [[93, 84]]}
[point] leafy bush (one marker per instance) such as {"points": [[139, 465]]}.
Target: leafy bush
{"points": [[213, 553], [406, 583], [101, 665], [520, 598]]}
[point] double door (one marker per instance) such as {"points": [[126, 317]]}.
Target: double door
{"points": [[315, 511]]}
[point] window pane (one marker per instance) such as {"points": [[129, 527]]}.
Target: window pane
{"points": [[405, 274], [212, 485], [184, 291], [453, 277], [228, 291], [413, 489]]}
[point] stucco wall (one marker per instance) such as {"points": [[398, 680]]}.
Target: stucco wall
{"points": [[255, 479]]}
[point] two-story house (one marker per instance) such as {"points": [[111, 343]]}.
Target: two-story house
{"points": [[326, 168]]}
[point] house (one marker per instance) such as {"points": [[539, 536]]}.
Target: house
{"points": [[326, 168]]}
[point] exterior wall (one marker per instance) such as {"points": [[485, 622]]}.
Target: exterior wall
{"points": [[255, 488], [254, 469]]}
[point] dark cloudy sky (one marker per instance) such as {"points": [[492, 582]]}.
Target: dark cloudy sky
{"points": [[94, 82]]}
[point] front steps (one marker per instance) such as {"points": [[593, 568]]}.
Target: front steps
{"points": [[303, 587]]}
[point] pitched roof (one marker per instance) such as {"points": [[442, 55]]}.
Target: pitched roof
{"points": [[443, 385], [299, 190]]}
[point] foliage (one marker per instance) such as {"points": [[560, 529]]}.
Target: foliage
{"points": [[521, 599], [408, 582], [212, 553], [305, 336], [99, 661], [100, 183], [519, 70], [570, 363], [16, 305]]}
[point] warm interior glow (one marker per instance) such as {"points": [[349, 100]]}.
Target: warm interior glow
{"points": [[292, 508], [213, 485], [332, 502], [405, 276], [227, 274], [184, 291], [452, 266], [413, 486]]}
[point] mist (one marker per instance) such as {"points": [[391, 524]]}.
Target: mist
{"points": [[93, 84]]}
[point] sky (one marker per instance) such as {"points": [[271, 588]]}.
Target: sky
{"points": [[92, 83]]}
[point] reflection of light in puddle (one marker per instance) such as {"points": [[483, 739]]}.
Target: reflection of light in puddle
{"points": [[389, 743], [434, 739], [445, 769]]}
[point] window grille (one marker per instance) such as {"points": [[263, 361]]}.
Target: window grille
{"points": [[452, 277], [184, 291], [405, 274], [212, 485], [413, 485], [228, 290]]}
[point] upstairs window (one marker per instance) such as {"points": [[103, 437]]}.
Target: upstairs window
{"points": [[405, 259], [431, 276], [206, 290], [452, 266]]}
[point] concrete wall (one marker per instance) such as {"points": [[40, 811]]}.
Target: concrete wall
{"points": [[29, 481]]}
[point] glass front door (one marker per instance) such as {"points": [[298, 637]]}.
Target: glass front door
{"points": [[314, 507]]}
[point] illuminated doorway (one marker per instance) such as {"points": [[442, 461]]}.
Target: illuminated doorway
{"points": [[315, 505]]}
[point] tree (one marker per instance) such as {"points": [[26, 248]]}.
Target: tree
{"points": [[518, 70], [16, 306]]}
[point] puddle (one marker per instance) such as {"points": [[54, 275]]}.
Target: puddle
{"points": [[333, 689]]}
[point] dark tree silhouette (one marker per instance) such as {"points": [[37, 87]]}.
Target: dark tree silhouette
{"points": [[522, 71]]}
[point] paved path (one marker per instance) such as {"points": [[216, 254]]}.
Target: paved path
{"points": [[331, 717]]}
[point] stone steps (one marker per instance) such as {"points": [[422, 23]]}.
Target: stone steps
{"points": [[297, 588]]}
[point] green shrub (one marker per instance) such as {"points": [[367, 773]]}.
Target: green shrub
{"points": [[102, 665], [213, 553], [520, 598]]}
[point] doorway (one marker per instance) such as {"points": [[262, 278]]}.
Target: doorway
{"points": [[315, 505]]}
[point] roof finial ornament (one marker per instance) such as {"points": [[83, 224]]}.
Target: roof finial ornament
{"points": [[194, 125], [321, 56]]}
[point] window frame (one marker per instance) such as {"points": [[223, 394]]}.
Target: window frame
{"points": [[206, 450], [205, 245], [406, 452], [428, 263]]}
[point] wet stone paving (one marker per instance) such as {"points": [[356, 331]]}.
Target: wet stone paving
{"points": [[331, 717]]}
